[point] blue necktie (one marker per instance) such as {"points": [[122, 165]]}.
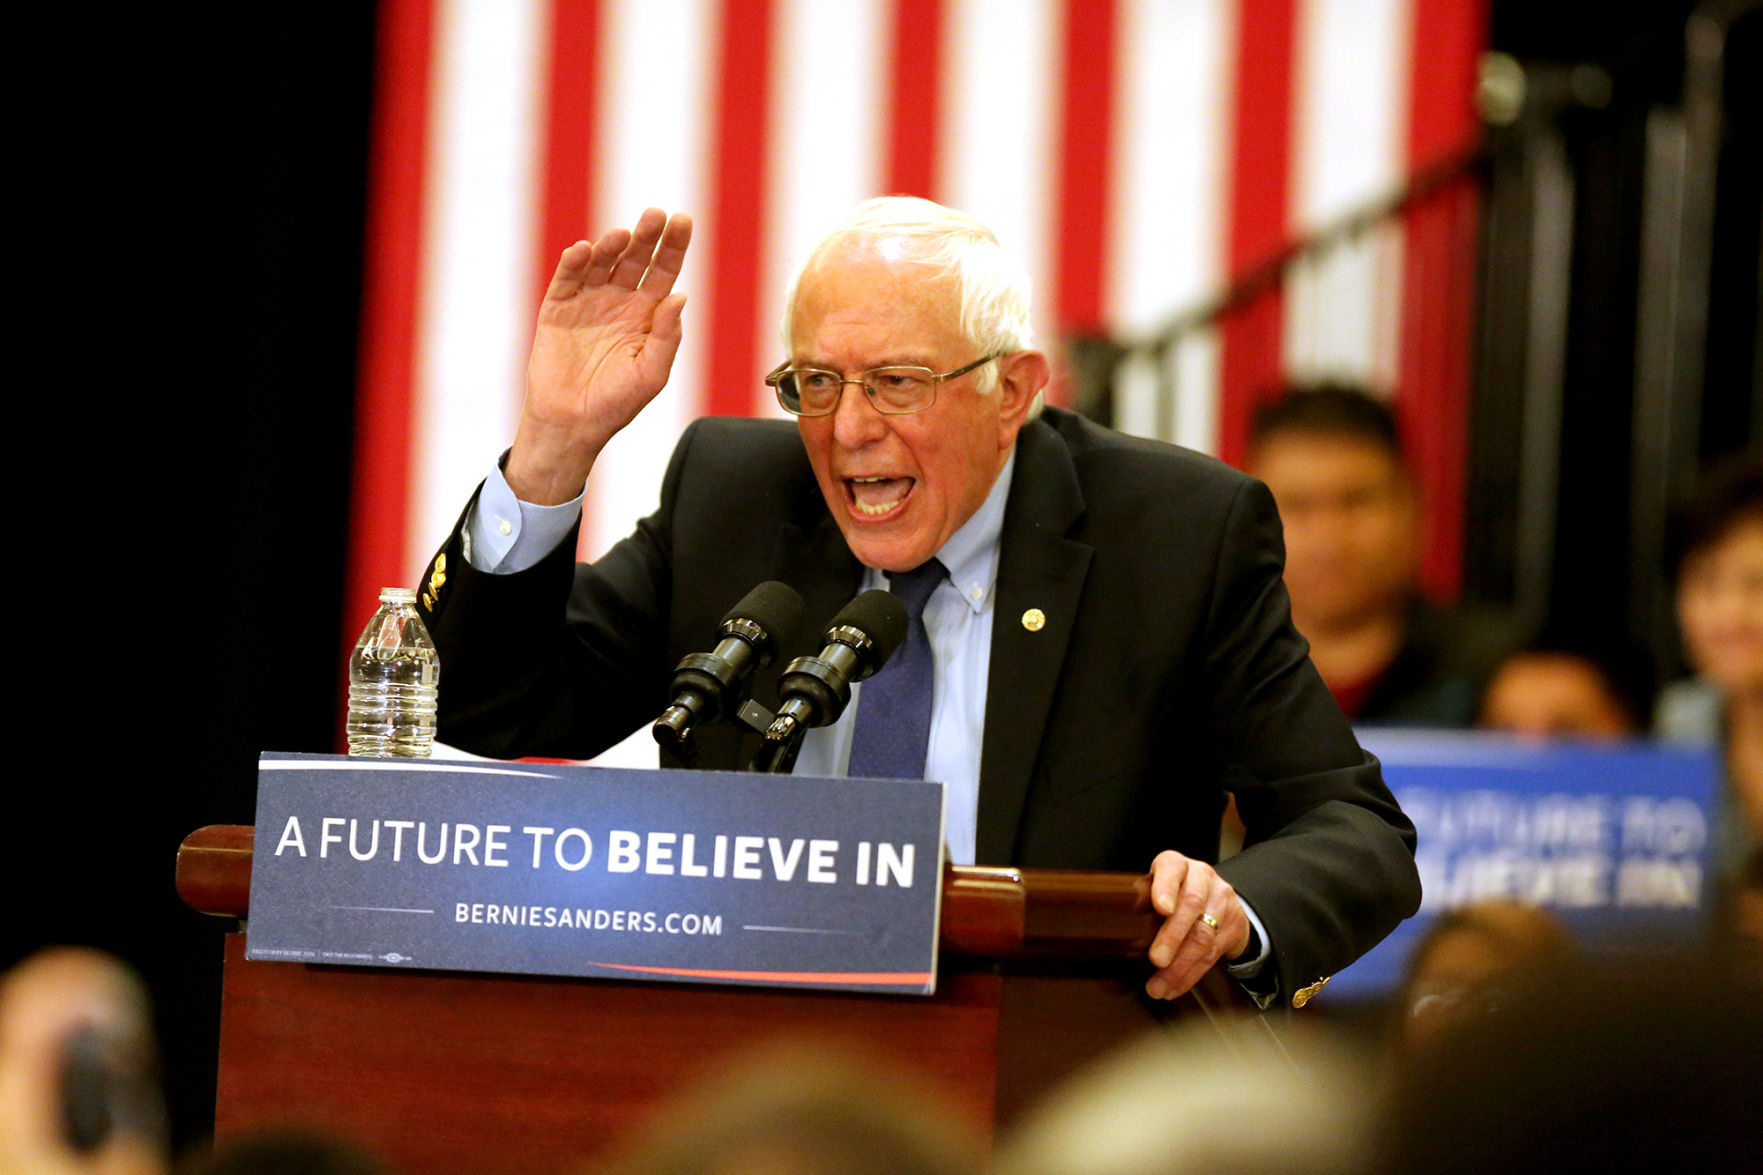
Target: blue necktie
{"points": [[893, 708]]}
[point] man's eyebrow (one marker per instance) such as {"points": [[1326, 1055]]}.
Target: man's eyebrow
{"points": [[895, 360]]}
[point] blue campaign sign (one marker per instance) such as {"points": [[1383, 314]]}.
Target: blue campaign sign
{"points": [[542, 869], [1614, 839]]}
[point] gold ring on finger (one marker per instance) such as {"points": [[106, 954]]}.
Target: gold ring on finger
{"points": [[1210, 921]]}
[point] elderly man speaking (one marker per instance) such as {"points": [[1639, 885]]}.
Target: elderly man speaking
{"points": [[1110, 651]]}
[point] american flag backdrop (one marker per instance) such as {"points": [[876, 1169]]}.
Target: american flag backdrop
{"points": [[1137, 154]]}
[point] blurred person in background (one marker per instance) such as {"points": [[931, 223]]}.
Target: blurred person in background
{"points": [[796, 1108], [1333, 458], [80, 1084], [1470, 962], [79, 1069], [1192, 1101], [1718, 567], [1645, 1067], [1741, 919], [1560, 689]]}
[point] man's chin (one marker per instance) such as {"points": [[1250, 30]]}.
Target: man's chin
{"points": [[875, 547]]}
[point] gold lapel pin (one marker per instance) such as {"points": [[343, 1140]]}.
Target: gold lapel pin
{"points": [[1034, 620]]}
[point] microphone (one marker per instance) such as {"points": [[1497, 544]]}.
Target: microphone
{"points": [[707, 686], [815, 690]]}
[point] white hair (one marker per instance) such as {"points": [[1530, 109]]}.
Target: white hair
{"points": [[994, 290]]}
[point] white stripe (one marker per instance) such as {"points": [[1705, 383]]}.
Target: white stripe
{"points": [[1166, 253], [384, 909], [656, 121], [1172, 110], [1196, 364], [1145, 380], [475, 312], [1138, 384], [998, 157], [654, 126], [827, 133], [1349, 102]]}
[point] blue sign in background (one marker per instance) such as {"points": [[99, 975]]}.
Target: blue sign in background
{"points": [[1612, 839], [513, 867]]}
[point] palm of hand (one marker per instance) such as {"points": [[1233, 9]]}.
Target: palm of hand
{"points": [[607, 334], [595, 360]]}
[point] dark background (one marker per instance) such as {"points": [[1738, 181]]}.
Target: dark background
{"points": [[194, 245]]}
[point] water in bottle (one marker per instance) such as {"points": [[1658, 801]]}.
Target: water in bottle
{"points": [[392, 680]]}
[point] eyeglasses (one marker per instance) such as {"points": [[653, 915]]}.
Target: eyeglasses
{"points": [[895, 391]]}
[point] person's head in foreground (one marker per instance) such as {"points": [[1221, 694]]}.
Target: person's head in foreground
{"points": [[1646, 1066], [1470, 961]]}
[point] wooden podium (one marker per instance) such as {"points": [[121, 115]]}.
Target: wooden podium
{"points": [[447, 1071]]}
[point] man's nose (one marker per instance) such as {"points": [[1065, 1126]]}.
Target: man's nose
{"points": [[856, 422]]}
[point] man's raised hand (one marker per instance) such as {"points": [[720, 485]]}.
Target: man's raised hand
{"points": [[608, 331]]}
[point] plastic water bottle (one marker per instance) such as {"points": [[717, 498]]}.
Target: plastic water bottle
{"points": [[392, 678]]}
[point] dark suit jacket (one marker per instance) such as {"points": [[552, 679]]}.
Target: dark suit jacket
{"points": [[1167, 672]]}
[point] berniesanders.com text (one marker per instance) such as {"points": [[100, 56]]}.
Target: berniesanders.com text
{"points": [[576, 918]]}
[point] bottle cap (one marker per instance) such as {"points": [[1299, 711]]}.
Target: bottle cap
{"points": [[397, 595]]}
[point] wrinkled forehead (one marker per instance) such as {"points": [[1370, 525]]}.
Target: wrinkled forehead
{"points": [[882, 283], [885, 259]]}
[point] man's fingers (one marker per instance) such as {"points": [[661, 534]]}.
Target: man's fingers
{"points": [[1210, 933], [607, 252], [664, 338], [1178, 892], [572, 265], [1202, 946], [1178, 929], [648, 258], [670, 257], [634, 260], [1172, 982], [1167, 873]]}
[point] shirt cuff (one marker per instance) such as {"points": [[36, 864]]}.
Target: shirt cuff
{"points": [[504, 535], [1248, 967]]}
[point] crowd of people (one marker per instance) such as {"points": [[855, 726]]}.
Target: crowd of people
{"points": [[1332, 456], [1526, 1059]]}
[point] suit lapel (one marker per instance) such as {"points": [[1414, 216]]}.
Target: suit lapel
{"points": [[1039, 571], [814, 559]]}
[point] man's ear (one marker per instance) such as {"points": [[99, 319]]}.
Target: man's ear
{"points": [[1022, 375]]}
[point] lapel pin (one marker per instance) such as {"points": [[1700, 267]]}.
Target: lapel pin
{"points": [[1034, 620]]}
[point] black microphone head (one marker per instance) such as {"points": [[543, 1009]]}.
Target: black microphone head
{"points": [[878, 615], [775, 607]]}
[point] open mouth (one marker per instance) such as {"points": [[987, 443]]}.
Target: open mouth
{"points": [[877, 497]]}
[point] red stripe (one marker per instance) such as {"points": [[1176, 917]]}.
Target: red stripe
{"points": [[1438, 274], [380, 492], [1086, 144], [1261, 132], [903, 978], [738, 172], [915, 98], [567, 151]]}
